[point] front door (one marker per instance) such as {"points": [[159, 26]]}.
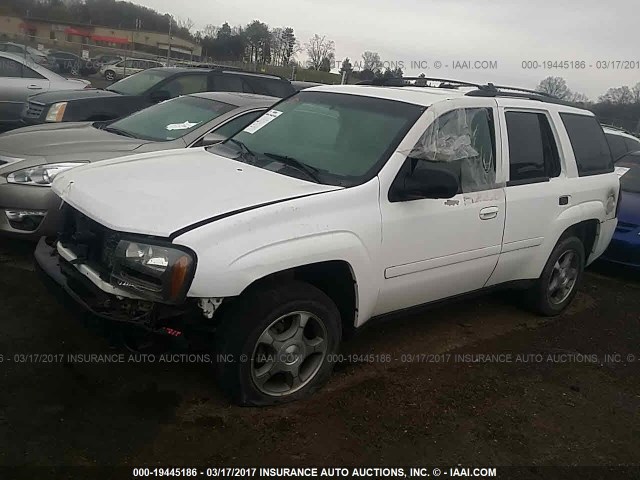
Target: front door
{"points": [[438, 248]]}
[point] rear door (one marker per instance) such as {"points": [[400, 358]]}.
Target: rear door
{"points": [[536, 190]]}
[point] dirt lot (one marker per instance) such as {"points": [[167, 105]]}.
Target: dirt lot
{"points": [[557, 409]]}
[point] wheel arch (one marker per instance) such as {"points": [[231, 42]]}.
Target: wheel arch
{"points": [[336, 278]]}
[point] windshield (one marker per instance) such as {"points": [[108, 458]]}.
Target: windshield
{"points": [[171, 119], [139, 83], [324, 137], [630, 181]]}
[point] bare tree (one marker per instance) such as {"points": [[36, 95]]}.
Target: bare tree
{"points": [[320, 51], [185, 23], [577, 97], [210, 31], [619, 96], [371, 61], [556, 86], [636, 93]]}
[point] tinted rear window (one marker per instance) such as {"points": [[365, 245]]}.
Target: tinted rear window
{"points": [[633, 145], [617, 144], [589, 144], [270, 87]]}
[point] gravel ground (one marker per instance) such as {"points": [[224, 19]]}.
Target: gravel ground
{"points": [[563, 402]]}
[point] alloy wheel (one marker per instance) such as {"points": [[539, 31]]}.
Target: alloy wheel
{"points": [[289, 353]]}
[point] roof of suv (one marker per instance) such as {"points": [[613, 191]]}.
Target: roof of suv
{"points": [[426, 96], [419, 95], [238, 99]]}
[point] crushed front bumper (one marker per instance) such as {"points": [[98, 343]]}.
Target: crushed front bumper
{"points": [[64, 278]]}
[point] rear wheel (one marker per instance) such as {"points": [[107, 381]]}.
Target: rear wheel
{"points": [[277, 343], [560, 278]]}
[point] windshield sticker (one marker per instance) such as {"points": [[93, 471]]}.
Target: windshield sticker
{"points": [[620, 171], [265, 119], [182, 126]]}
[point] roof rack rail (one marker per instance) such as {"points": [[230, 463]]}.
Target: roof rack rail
{"points": [[482, 90], [491, 90], [614, 127], [420, 82]]}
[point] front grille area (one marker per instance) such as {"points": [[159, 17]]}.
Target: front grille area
{"points": [[91, 242], [33, 110]]}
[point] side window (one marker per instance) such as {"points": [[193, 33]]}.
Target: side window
{"points": [[463, 142], [228, 83], [239, 123], [185, 85], [533, 153], [589, 144], [632, 145], [128, 64], [10, 68], [29, 73]]}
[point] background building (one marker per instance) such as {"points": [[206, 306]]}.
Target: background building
{"points": [[97, 39]]}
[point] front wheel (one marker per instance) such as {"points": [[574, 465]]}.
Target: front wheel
{"points": [[560, 278], [110, 75], [276, 344]]}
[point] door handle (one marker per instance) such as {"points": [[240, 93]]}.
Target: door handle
{"points": [[488, 213], [34, 87]]}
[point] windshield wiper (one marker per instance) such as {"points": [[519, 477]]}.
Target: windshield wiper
{"points": [[310, 171], [245, 150], [118, 131]]}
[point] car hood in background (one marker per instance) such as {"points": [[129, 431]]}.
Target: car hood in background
{"points": [[64, 139], [48, 98], [160, 193]]}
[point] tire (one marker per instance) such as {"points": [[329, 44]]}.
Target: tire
{"points": [[75, 71], [275, 309], [546, 300], [110, 75]]}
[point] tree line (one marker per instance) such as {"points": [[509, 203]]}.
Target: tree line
{"points": [[619, 106]]}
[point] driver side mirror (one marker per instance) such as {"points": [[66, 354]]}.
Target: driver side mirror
{"points": [[420, 179], [160, 96]]}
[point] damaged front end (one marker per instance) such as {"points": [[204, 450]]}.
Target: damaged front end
{"points": [[124, 278]]}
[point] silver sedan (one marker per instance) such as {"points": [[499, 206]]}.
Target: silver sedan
{"points": [[19, 78], [31, 157]]}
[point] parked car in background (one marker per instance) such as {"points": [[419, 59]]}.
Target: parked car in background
{"points": [[29, 209], [93, 65], [146, 88], [300, 85], [20, 78], [340, 204], [625, 245], [65, 62], [124, 68], [620, 141], [30, 53], [107, 58]]}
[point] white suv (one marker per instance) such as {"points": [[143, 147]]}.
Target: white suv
{"points": [[341, 204]]}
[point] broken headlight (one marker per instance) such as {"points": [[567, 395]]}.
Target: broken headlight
{"points": [[156, 272]]}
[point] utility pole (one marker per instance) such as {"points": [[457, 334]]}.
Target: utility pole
{"points": [[169, 45]]}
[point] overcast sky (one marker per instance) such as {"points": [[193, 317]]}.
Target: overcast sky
{"points": [[505, 31]]}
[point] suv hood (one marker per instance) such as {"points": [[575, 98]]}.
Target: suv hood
{"points": [[161, 193], [48, 98], [66, 139]]}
